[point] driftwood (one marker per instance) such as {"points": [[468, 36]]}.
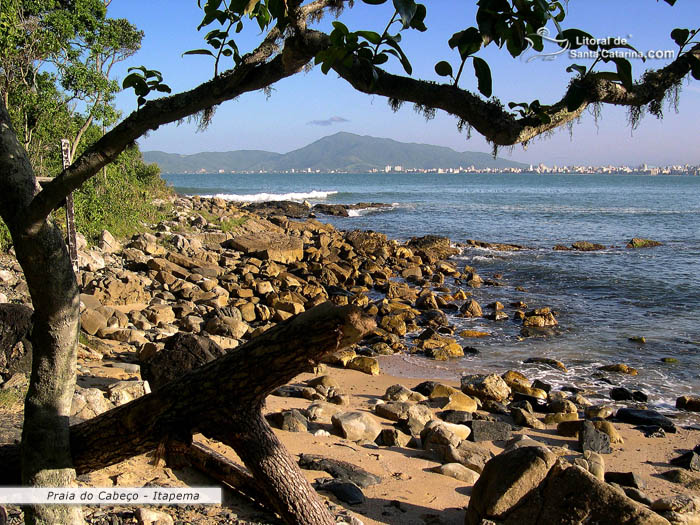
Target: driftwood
{"points": [[217, 466], [223, 400]]}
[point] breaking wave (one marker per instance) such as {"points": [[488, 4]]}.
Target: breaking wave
{"points": [[264, 197]]}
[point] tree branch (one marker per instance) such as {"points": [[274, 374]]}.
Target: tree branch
{"points": [[250, 76], [501, 127]]}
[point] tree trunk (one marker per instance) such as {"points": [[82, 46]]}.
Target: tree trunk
{"points": [[272, 466], [222, 400], [46, 457]]}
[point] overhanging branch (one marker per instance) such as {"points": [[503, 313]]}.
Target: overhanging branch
{"points": [[498, 125], [250, 76]]}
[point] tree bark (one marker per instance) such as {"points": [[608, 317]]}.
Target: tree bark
{"points": [[272, 466], [223, 401], [46, 458]]}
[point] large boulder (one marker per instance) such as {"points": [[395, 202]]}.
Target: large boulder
{"points": [[486, 387], [356, 426], [529, 485], [276, 247], [432, 247], [182, 352]]}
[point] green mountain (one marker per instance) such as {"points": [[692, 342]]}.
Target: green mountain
{"points": [[209, 161], [339, 152]]}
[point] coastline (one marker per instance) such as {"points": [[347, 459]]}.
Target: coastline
{"points": [[123, 282]]}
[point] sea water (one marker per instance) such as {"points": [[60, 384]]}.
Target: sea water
{"points": [[603, 298]]}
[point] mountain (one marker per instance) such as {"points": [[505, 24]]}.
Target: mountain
{"points": [[209, 161], [339, 152]]}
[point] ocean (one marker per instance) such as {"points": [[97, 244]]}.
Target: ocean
{"points": [[602, 299]]}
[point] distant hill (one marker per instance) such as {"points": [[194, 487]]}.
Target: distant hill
{"points": [[339, 152]]}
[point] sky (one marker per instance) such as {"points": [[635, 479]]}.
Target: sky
{"points": [[311, 105]]}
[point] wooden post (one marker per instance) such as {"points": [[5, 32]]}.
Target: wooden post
{"points": [[70, 213]]}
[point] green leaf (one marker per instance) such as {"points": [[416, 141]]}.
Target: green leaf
{"points": [[624, 70], [581, 70], [374, 2], [393, 41], [680, 36], [407, 10], [467, 42], [370, 36], [418, 21], [483, 75], [443, 68], [198, 52], [670, 2]]}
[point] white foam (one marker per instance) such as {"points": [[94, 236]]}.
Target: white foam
{"points": [[264, 197]]}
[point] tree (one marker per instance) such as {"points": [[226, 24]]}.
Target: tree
{"points": [[289, 45]]}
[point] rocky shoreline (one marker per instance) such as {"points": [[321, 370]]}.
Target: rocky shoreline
{"points": [[219, 273]]}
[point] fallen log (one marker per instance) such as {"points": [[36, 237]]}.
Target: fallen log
{"points": [[223, 400]]}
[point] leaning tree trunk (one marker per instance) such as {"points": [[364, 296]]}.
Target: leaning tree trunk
{"points": [[41, 251], [223, 400]]}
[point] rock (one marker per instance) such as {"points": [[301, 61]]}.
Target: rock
{"points": [[471, 308], [393, 410], [469, 454], [108, 243], [599, 411], [345, 491], [321, 412], [401, 393], [418, 416], [474, 333], [679, 510], [288, 420], [88, 403], [356, 426], [339, 469], [506, 480], [528, 485], [368, 365], [182, 352], [624, 394], [638, 242], [547, 361], [92, 321], [461, 402], [592, 439], [682, 477], [526, 419], [645, 417], [458, 472], [458, 417], [485, 387], [123, 392], [596, 464], [489, 431], [432, 247], [620, 368], [562, 405], [437, 435], [393, 437], [337, 210], [559, 417], [269, 246], [585, 246], [690, 460], [626, 479], [146, 516], [690, 403]]}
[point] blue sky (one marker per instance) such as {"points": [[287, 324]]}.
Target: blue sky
{"points": [[298, 106]]}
